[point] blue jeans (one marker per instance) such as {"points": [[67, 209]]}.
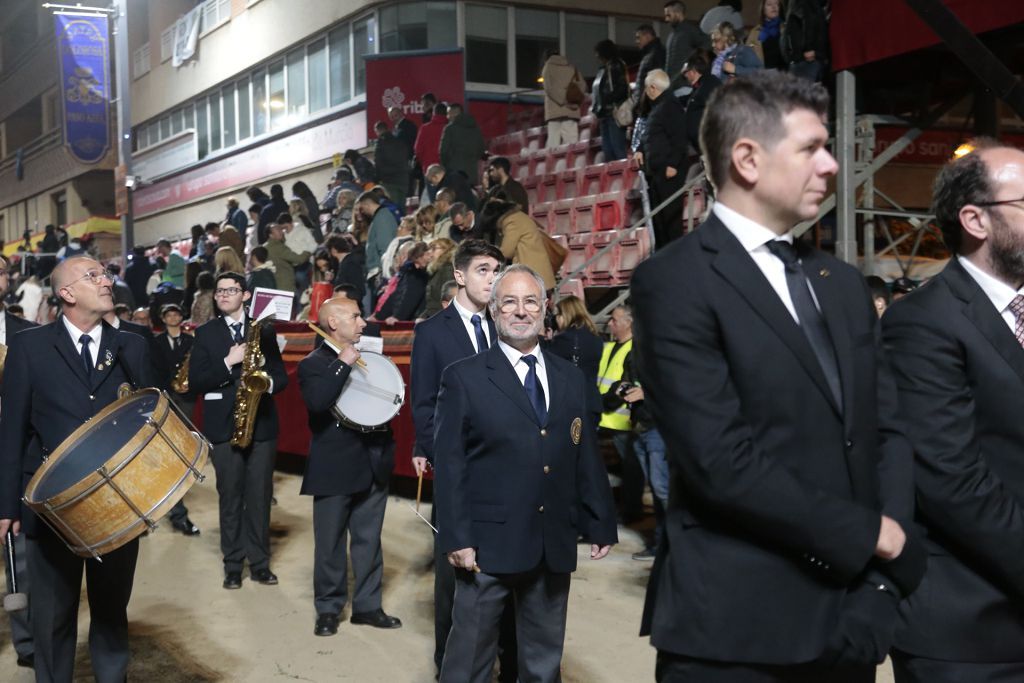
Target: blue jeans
{"points": [[650, 451], [613, 139]]}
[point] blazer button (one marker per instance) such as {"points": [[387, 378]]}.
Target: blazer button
{"points": [[849, 444], [92, 398], [541, 509], [547, 469], [543, 432]]}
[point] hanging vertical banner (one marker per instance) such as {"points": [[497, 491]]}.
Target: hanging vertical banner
{"points": [[83, 49]]}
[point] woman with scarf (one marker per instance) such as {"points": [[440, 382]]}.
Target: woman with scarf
{"points": [[731, 58], [764, 38]]}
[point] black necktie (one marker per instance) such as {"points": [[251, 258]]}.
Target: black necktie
{"points": [[534, 390], [237, 327], [811, 321], [481, 340], [85, 340]]}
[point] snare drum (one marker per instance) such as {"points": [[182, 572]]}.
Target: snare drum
{"points": [[371, 395], [118, 474]]}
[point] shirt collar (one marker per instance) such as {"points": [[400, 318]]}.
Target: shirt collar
{"points": [[229, 321], [998, 292], [95, 333], [515, 355], [751, 234], [466, 315]]}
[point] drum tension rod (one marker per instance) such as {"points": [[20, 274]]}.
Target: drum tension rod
{"points": [[66, 530], [128, 501], [177, 451]]}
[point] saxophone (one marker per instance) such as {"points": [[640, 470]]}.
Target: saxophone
{"points": [[180, 381], [253, 383]]}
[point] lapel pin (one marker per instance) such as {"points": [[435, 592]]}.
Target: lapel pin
{"points": [[576, 431], [824, 272]]}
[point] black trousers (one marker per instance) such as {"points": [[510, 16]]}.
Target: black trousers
{"points": [[910, 669], [334, 519], [57, 575], [245, 484], [668, 223], [179, 513], [541, 599], [673, 668]]}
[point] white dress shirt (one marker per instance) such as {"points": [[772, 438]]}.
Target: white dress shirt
{"points": [[515, 357], [95, 333], [997, 291], [468, 323], [3, 326], [755, 238]]}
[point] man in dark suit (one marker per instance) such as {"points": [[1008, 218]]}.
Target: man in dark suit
{"points": [[790, 488], [347, 472], [956, 354], [460, 330], [697, 72], [518, 481], [21, 627], [170, 351], [664, 155], [56, 377], [244, 475]]}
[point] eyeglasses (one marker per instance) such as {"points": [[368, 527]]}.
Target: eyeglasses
{"points": [[94, 276], [227, 291], [1000, 203], [4, 272], [511, 305]]}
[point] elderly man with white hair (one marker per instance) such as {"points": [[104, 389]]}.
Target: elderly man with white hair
{"points": [[664, 155]]}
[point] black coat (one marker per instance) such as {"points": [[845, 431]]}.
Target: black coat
{"points": [[409, 295], [352, 270], [653, 58], [269, 214], [696, 103], [264, 277], [391, 155], [167, 361], [519, 492], [440, 340], [406, 131], [582, 348], [207, 374], [46, 396], [666, 143], [342, 460], [775, 493], [611, 88], [960, 373], [461, 187]]}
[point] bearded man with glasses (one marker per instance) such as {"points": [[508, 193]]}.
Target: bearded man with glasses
{"points": [[56, 377]]}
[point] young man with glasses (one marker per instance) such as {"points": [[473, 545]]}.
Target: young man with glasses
{"points": [[958, 362], [518, 481], [56, 377], [244, 475]]}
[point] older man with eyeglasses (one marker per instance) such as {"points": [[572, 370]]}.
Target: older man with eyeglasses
{"points": [[518, 480], [56, 377]]}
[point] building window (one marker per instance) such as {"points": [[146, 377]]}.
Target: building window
{"points": [[277, 102], [259, 102], [296, 65], [165, 127], [363, 43], [582, 33], [486, 44], [140, 61], [417, 26], [190, 117], [167, 43], [244, 107], [215, 13], [59, 201], [536, 33], [51, 111], [340, 58], [202, 131], [316, 62], [177, 121], [216, 130], [228, 105]]}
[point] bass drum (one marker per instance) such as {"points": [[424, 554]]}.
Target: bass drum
{"points": [[118, 474], [371, 395]]}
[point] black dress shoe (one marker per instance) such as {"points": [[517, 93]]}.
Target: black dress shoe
{"points": [[377, 619], [28, 661], [265, 576], [326, 625], [185, 526], [233, 580]]}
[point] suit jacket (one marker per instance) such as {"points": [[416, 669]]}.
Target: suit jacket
{"points": [[586, 348], [519, 492], [960, 374], [775, 494], [167, 361], [439, 341], [207, 374], [696, 103], [46, 396], [342, 460], [665, 143], [135, 328]]}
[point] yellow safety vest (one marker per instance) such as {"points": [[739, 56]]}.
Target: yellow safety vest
{"points": [[608, 373]]}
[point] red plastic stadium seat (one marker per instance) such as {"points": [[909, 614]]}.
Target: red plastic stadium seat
{"points": [[535, 138], [579, 251], [533, 194], [619, 175], [547, 187], [584, 214], [541, 214], [633, 249], [578, 154], [561, 221], [560, 157], [601, 271], [591, 180], [573, 287], [608, 210], [568, 184]]}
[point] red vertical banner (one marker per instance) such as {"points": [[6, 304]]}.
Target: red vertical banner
{"points": [[399, 79]]}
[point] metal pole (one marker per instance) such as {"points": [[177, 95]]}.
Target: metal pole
{"points": [[122, 62], [846, 189]]}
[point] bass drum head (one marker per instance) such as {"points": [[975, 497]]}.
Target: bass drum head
{"points": [[72, 462], [374, 394]]}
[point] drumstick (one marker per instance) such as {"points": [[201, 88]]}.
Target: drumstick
{"points": [[359, 361], [419, 490]]}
